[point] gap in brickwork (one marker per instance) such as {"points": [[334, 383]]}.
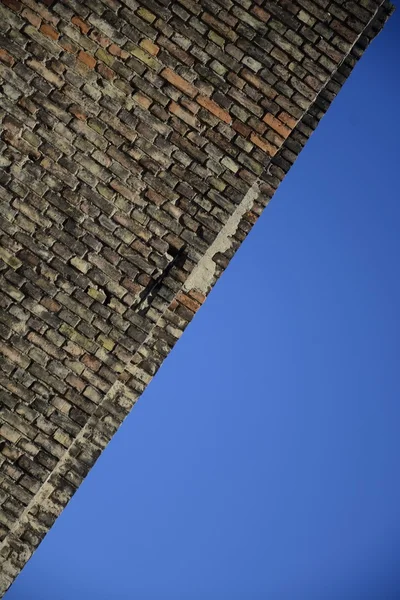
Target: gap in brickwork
{"points": [[150, 292]]}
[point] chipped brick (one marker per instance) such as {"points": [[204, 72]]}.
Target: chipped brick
{"points": [[81, 24]]}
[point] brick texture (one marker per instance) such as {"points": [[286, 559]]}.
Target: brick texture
{"points": [[139, 143]]}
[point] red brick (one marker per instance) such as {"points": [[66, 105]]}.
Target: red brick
{"points": [[174, 305], [180, 83], [185, 116], [6, 58], [287, 119], [189, 105], [101, 39], [49, 31], [83, 26], [214, 108], [13, 4], [188, 302], [154, 197], [105, 71], [51, 304], [264, 144], [277, 125], [77, 112], [87, 59], [91, 362], [259, 84], [141, 99], [198, 296], [241, 128], [117, 51], [134, 288]]}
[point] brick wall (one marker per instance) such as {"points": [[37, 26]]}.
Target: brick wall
{"points": [[140, 141]]}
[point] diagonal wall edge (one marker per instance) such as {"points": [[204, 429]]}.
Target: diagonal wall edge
{"points": [[183, 290]]}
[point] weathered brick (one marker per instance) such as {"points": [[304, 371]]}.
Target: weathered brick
{"points": [[83, 26], [33, 18], [264, 144], [214, 108], [49, 31], [277, 125], [87, 59], [179, 82], [6, 58]]}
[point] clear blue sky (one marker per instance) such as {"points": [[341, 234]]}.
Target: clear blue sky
{"points": [[263, 460]]}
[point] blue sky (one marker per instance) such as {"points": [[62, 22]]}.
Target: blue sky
{"points": [[262, 461]]}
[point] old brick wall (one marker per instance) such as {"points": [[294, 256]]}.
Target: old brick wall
{"points": [[140, 141]]}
